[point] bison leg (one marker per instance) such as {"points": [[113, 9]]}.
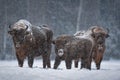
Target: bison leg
{"points": [[57, 62], [88, 64], [48, 57], [98, 64], [20, 61], [76, 63], [98, 59], [82, 63], [44, 61], [68, 62], [48, 63], [30, 61]]}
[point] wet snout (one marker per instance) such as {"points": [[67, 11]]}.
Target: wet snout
{"points": [[60, 52]]}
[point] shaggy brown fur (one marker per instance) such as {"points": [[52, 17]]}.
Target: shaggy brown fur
{"points": [[59, 43], [79, 48], [72, 49], [99, 36], [31, 41]]}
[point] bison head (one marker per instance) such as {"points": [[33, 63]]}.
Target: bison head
{"points": [[59, 46], [99, 34], [60, 42], [18, 34]]}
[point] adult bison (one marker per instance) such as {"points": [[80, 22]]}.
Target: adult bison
{"points": [[70, 48], [98, 36], [31, 41], [79, 49]]}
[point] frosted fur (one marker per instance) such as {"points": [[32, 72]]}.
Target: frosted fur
{"points": [[22, 25], [84, 34]]}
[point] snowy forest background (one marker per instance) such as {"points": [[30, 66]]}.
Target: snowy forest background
{"points": [[63, 17]]}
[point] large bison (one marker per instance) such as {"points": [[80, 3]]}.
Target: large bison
{"points": [[79, 49], [98, 36], [70, 48], [31, 41]]}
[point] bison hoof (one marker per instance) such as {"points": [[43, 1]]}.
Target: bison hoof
{"points": [[68, 67], [76, 66], [20, 65], [54, 67], [30, 66], [98, 68]]}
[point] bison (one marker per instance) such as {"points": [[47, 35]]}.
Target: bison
{"points": [[59, 43], [98, 35], [70, 48], [31, 41], [78, 49]]}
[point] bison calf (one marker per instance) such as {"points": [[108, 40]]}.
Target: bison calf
{"points": [[70, 48]]}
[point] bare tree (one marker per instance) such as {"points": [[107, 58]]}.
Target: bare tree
{"points": [[79, 15]]}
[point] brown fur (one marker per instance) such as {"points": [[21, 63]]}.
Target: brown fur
{"points": [[77, 48], [31, 41], [80, 48], [99, 36], [59, 43]]}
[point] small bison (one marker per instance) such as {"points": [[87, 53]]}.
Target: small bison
{"points": [[59, 43], [31, 41], [70, 48]]}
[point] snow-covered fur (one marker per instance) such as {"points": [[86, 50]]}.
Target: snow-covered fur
{"points": [[85, 34], [31, 41], [22, 23], [97, 35]]}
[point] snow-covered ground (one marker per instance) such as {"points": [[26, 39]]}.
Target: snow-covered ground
{"points": [[9, 70]]}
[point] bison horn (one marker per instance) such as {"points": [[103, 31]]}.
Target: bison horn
{"points": [[26, 27], [93, 30]]}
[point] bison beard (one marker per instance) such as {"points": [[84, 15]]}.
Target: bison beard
{"points": [[32, 43]]}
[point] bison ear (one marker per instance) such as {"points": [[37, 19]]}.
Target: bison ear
{"points": [[10, 32], [53, 41]]}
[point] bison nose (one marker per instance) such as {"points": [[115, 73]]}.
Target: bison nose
{"points": [[17, 45], [60, 52]]}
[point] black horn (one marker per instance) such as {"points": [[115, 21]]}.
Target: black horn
{"points": [[93, 30], [26, 27]]}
